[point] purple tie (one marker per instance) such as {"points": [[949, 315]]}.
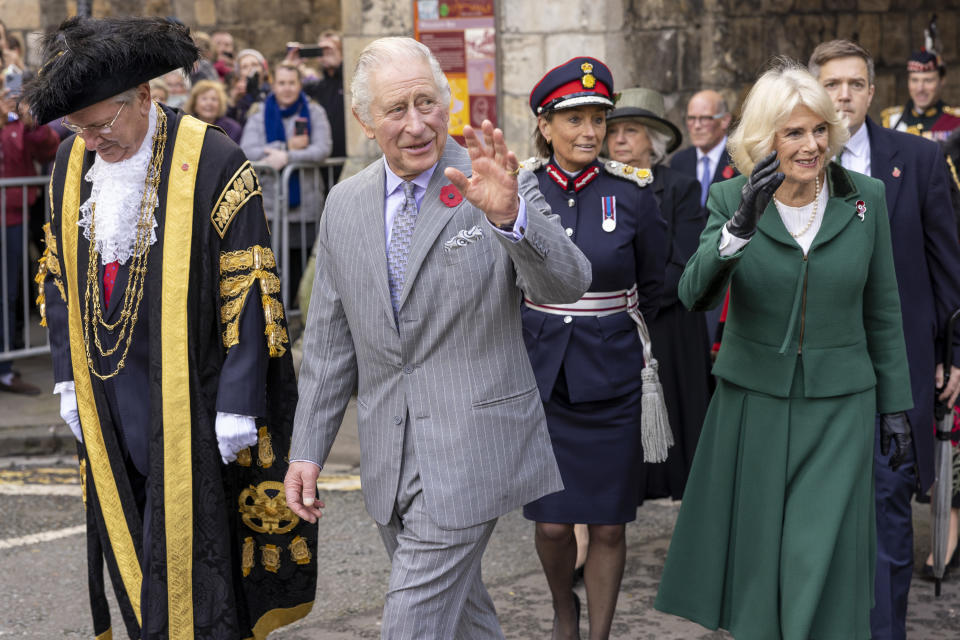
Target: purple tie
{"points": [[400, 236]]}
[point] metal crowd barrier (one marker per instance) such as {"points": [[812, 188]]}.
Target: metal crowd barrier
{"points": [[297, 227], [31, 345]]}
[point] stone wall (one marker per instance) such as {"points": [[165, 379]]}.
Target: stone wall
{"points": [[266, 25], [681, 46], [674, 46]]}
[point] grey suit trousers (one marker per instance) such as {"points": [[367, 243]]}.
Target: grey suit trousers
{"points": [[435, 590]]}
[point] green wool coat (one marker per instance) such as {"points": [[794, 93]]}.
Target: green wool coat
{"points": [[776, 534], [838, 306]]}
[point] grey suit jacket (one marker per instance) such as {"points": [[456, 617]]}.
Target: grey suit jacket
{"points": [[456, 366]]}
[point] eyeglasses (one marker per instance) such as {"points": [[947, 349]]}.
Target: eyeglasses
{"points": [[98, 129], [704, 120]]}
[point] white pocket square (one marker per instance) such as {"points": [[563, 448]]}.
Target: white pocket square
{"points": [[463, 238]]}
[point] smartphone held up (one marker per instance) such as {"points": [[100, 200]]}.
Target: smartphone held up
{"points": [[305, 51]]}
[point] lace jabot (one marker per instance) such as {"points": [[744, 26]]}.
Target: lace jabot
{"points": [[117, 191]]}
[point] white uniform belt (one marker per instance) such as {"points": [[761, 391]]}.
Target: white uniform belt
{"points": [[604, 303], [593, 303]]}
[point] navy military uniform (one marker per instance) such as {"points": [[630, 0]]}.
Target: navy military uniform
{"points": [[937, 121], [588, 365]]}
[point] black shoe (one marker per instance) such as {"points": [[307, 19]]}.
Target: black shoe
{"points": [[927, 570], [578, 575]]}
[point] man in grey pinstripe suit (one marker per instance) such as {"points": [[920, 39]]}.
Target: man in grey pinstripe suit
{"points": [[452, 431]]}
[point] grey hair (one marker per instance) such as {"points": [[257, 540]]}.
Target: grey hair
{"points": [[127, 96], [389, 50], [659, 141]]}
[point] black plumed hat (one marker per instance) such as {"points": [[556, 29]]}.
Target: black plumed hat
{"points": [[88, 60]]}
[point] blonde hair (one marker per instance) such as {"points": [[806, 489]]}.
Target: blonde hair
{"points": [[781, 89], [202, 87]]}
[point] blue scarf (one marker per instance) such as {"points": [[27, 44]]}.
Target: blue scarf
{"points": [[273, 117]]}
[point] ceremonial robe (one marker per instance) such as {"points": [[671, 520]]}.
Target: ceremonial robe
{"points": [[194, 549]]}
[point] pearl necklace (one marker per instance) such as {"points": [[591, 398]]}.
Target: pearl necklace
{"points": [[813, 215]]}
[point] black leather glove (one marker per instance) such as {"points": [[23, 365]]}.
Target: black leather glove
{"points": [[896, 427], [755, 196]]}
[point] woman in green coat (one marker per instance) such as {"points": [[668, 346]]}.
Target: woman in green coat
{"points": [[776, 534]]}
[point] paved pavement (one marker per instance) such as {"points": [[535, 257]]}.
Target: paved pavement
{"points": [[42, 550]]}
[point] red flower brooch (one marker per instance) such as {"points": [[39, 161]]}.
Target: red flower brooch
{"points": [[861, 209], [727, 172], [450, 196]]}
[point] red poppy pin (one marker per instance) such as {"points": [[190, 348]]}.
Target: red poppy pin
{"points": [[727, 172], [450, 196], [861, 209], [896, 172]]}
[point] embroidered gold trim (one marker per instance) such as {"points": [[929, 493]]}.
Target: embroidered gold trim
{"points": [[246, 556], [178, 502], [83, 480], [244, 457], [265, 449], [264, 509], [106, 635], [300, 551], [256, 257], [276, 618], [953, 171], [242, 186], [49, 263], [270, 554], [104, 482], [251, 266]]}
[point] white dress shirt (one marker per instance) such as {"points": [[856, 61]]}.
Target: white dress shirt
{"points": [[856, 153], [714, 155]]}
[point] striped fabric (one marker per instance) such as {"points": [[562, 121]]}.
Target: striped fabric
{"points": [[454, 361]]}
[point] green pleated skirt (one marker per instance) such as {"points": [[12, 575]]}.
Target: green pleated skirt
{"points": [[776, 536]]}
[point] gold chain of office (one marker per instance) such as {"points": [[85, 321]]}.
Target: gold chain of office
{"points": [[133, 292]]}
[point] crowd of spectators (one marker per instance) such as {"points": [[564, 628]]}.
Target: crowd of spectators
{"points": [[291, 111]]}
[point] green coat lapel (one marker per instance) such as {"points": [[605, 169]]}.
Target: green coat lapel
{"points": [[841, 204], [771, 225]]}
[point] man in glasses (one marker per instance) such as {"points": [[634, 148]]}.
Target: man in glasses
{"points": [[707, 160], [708, 119], [168, 343]]}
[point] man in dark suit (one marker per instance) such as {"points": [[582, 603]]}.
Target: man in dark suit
{"points": [[708, 119], [707, 160], [927, 260]]}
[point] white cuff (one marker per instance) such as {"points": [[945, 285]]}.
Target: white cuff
{"points": [[729, 243], [234, 433], [66, 385]]}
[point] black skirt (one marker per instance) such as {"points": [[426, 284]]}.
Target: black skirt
{"points": [[597, 445], [681, 347]]}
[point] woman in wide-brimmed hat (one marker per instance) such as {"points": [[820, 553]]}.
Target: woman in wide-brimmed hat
{"points": [[639, 135]]}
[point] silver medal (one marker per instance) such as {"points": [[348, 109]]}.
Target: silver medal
{"points": [[609, 225]]}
